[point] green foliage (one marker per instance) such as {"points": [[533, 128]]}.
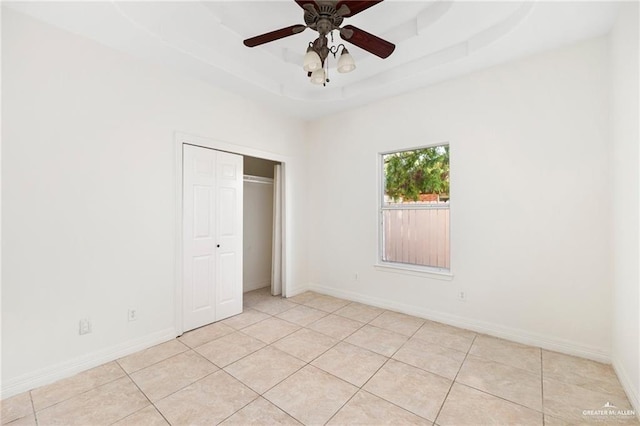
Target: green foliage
{"points": [[411, 173]]}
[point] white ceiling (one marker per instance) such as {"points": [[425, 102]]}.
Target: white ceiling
{"points": [[435, 40]]}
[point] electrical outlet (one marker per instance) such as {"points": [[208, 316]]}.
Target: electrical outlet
{"points": [[133, 315], [462, 296], [84, 326]]}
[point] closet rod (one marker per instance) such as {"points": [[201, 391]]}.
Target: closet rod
{"points": [[258, 179]]}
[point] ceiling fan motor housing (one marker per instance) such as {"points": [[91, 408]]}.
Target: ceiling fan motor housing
{"points": [[325, 19]]}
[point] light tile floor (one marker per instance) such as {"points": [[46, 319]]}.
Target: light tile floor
{"points": [[315, 359]]}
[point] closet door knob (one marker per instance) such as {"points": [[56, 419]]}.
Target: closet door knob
{"points": [[218, 246]]}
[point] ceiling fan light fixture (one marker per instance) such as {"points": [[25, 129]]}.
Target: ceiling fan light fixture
{"points": [[312, 61], [326, 17], [319, 76], [346, 63]]}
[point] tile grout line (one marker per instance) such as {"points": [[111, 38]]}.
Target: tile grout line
{"points": [[276, 384], [366, 322], [454, 380], [305, 364], [502, 363], [487, 392], [343, 405], [361, 388], [325, 334], [128, 375], [175, 392], [33, 408], [326, 314], [188, 348], [81, 393], [261, 395], [542, 387], [408, 338], [317, 356], [499, 397], [391, 356], [253, 323], [241, 408], [423, 370], [181, 337], [343, 340], [388, 358], [309, 363], [529, 372], [147, 398], [258, 394], [239, 359]]}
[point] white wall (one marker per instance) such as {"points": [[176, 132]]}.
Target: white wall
{"points": [[529, 209], [88, 195], [625, 193], [257, 235], [89, 208]]}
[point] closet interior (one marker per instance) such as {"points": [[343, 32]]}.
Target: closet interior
{"points": [[258, 223]]}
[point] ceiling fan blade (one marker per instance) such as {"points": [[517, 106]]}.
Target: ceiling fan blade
{"points": [[274, 35], [355, 6], [366, 41], [303, 4]]}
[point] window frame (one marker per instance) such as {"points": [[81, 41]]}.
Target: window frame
{"points": [[407, 268]]}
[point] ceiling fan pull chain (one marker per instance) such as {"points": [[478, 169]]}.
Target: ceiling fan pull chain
{"points": [[327, 72]]}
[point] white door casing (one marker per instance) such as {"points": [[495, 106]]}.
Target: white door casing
{"points": [[212, 236], [277, 260]]}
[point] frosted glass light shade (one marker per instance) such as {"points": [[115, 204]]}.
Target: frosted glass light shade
{"points": [[312, 61], [318, 76], [346, 62]]}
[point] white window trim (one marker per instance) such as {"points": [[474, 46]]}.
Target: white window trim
{"points": [[415, 270], [405, 268]]}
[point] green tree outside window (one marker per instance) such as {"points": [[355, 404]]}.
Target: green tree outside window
{"points": [[422, 171]]}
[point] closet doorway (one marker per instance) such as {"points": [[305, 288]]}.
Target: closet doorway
{"points": [[227, 301], [260, 248], [212, 235]]}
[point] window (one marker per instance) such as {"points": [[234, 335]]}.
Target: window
{"points": [[414, 209]]}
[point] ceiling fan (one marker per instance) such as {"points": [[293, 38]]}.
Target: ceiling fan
{"points": [[324, 16]]}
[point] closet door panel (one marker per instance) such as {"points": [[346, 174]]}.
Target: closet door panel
{"points": [[199, 240], [229, 213]]}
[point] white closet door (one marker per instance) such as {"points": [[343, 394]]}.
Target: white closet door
{"points": [[212, 236], [199, 191], [229, 185]]}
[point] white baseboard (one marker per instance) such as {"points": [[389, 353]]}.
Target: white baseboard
{"points": [[492, 329], [64, 369], [256, 285], [627, 385], [294, 291]]}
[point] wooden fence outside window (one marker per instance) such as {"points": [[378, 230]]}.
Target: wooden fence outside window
{"points": [[418, 236]]}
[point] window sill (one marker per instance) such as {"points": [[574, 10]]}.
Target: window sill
{"points": [[415, 271]]}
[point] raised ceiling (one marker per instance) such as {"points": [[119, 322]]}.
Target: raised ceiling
{"points": [[435, 40]]}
